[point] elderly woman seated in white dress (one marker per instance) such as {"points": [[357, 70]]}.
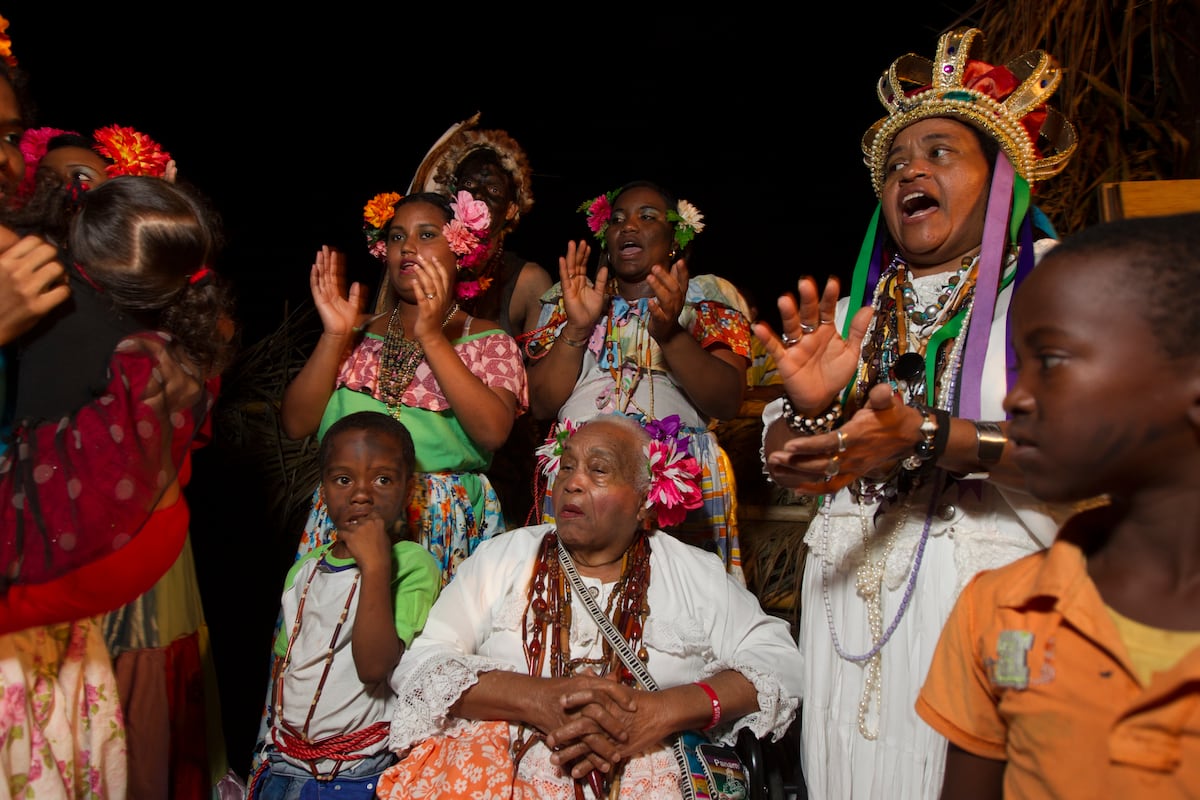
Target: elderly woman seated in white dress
{"points": [[513, 684]]}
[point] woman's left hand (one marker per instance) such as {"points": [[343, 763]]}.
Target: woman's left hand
{"points": [[614, 724], [870, 445], [670, 289], [433, 284]]}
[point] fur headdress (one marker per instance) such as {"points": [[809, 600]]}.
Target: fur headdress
{"points": [[436, 172]]}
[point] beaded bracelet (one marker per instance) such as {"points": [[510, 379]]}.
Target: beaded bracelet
{"points": [[810, 426], [935, 432], [716, 706], [923, 450]]}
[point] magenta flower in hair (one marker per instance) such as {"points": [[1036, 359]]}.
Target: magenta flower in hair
{"points": [[599, 211], [674, 482], [33, 145]]}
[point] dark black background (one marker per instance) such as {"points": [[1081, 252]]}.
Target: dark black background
{"points": [[290, 119]]}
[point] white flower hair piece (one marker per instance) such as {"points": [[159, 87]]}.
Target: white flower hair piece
{"points": [[688, 222]]}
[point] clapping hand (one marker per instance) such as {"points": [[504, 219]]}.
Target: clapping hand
{"points": [[583, 300], [338, 308], [814, 361], [670, 289], [433, 286]]}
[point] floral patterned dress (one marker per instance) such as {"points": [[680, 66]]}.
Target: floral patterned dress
{"points": [[62, 736], [624, 371]]}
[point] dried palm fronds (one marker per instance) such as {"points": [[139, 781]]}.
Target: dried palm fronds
{"points": [[247, 417], [1131, 85]]}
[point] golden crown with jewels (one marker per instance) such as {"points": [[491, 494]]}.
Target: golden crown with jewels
{"points": [[1007, 102]]}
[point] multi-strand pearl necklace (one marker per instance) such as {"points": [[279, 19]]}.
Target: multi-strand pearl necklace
{"points": [[869, 586]]}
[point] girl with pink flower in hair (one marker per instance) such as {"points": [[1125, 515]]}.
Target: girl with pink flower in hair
{"points": [[455, 381], [649, 340]]}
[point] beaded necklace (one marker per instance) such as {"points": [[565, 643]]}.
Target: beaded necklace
{"points": [[888, 338], [889, 335], [293, 742], [399, 360], [921, 321], [546, 624], [869, 585], [627, 379]]}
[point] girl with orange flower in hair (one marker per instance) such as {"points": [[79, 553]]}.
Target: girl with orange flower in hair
{"points": [[455, 381]]}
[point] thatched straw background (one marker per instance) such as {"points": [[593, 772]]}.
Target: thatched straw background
{"points": [[1131, 85]]}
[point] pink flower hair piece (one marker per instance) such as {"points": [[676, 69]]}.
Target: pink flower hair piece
{"points": [[599, 210], [33, 145], [468, 234], [674, 482]]}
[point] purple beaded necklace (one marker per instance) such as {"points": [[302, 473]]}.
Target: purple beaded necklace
{"points": [[908, 589]]}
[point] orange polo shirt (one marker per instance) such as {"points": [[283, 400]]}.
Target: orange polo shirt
{"points": [[1030, 669]]}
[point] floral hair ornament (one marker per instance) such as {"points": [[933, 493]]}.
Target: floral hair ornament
{"points": [[33, 146], [202, 276], [467, 234], [6, 44], [685, 217], [674, 473], [377, 213], [131, 152], [550, 454]]}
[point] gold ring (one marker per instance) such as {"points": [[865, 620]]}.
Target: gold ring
{"points": [[841, 441], [807, 328]]}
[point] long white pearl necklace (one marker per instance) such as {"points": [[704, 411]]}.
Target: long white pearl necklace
{"points": [[869, 585]]}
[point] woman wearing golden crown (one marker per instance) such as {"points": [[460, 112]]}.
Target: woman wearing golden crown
{"points": [[892, 413]]}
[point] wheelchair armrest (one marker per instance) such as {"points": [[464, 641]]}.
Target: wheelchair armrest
{"points": [[750, 750]]}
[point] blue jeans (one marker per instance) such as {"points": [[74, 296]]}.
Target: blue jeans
{"points": [[282, 780]]}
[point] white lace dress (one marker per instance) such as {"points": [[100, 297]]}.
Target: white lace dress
{"points": [[861, 737], [701, 622]]}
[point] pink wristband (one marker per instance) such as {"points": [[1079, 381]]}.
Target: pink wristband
{"points": [[716, 706]]}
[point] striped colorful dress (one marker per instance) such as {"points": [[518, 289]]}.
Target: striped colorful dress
{"points": [[624, 371]]}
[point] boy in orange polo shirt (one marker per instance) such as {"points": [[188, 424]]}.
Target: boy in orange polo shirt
{"points": [[1075, 672]]}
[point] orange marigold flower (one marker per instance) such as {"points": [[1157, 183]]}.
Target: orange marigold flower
{"points": [[6, 44], [131, 152], [378, 211]]}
